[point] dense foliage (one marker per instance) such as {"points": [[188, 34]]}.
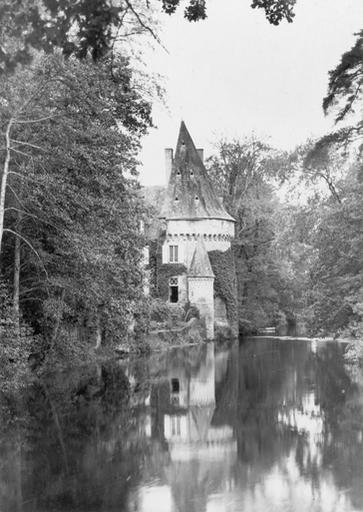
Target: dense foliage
{"points": [[336, 299], [243, 172], [225, 285], [298, 260], [75, 136], [16, 344]]}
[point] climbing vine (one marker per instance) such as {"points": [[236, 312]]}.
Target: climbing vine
{"points": [[160, 273], [165, 272], [225, 282]]}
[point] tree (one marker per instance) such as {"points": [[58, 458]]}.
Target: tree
{"points": [[80, 196], [344, 97], [91, 26], [244, 172], [317, 163], [337, 273], [345, 89]]}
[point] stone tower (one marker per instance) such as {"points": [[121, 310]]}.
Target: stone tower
{"points": [[196, 223]]}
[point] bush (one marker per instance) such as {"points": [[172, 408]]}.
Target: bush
{"points": [[161, 311], [191, 312], [15, 346]]}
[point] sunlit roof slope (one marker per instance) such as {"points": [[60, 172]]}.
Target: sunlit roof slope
{"points": [[200, 265], [190, 194]]}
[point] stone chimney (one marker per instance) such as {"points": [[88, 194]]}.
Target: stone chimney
{"points": [[168, 163], [201, 154]]}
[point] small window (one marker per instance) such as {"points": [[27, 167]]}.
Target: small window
{"points": [[178, 172], [176, 199], [196, 198], [191, 173], [173, 254], [175, 386]]}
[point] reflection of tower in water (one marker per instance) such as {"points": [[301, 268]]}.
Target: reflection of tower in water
{"points": [[202, 455], [193, 426], [188, 429]]}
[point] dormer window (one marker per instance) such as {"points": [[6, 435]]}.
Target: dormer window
{"points": [[191, 173], [178, 173], [183, 150]]}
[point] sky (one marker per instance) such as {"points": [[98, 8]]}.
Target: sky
{"points": [[234, 73]]}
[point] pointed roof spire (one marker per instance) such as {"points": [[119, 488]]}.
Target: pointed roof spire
{"points": [[200, 265], [190, 193]]}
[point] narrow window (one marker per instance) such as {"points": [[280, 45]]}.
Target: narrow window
{"points": [[173, 254], [175, 425], [175, 386]]}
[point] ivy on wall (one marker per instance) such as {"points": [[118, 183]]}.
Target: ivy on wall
{"points": [[152, 266], [225, 282], [165, 272], [160, 273]]}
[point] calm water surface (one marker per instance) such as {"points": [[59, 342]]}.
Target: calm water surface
{"points": [[270, 425]]}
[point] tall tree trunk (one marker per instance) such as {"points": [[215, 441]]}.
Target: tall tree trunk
{"points": [[98, 330], [19, 486], [4, 179], [16, 280], [58, 320]]}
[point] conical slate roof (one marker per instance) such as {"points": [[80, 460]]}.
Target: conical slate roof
{"points": [[200, 265], [190, 193]]}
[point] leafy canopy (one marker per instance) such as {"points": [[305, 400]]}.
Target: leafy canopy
{"points": [[74, 171], [82, 27], [345, 88]]}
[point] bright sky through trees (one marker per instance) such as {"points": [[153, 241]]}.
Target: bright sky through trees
{"points": [[235, 73]]}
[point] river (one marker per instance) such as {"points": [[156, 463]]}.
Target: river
{"points": [[266, 425]]}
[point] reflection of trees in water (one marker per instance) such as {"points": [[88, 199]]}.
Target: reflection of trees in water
{"points": [[269, 380], [72, 432], [343, 448], [302, 406], [95, 439], [94, 433]]}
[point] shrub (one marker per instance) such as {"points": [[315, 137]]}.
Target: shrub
{"points": [[161, 311], [15, 346]]}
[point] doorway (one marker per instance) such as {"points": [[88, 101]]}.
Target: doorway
{"points": [[174, 293]]}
